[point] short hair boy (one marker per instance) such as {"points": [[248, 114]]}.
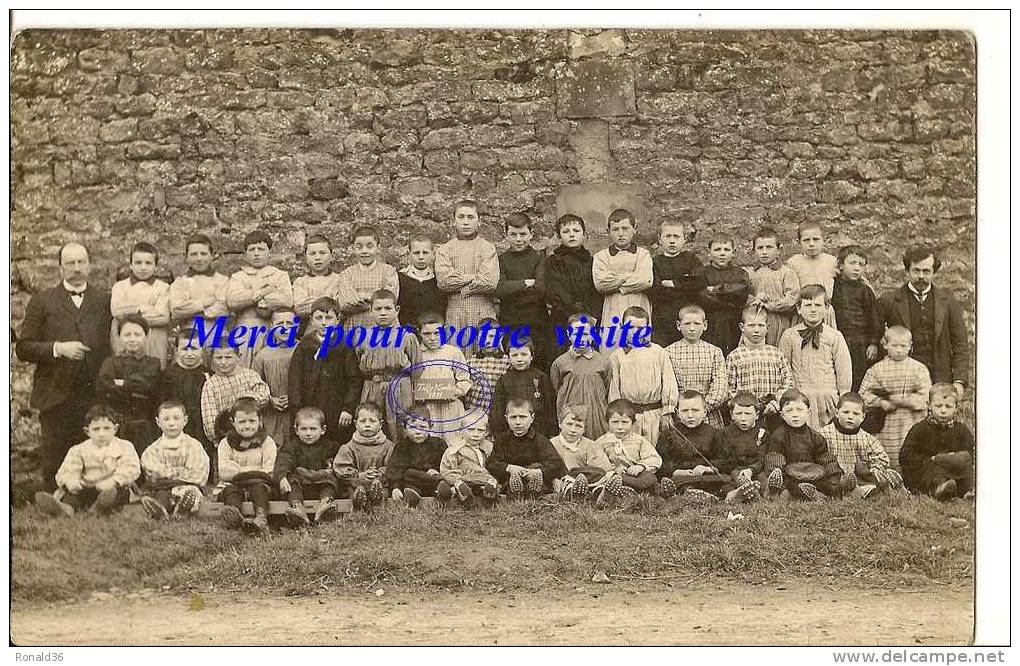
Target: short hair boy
{"points": [[419, 292], [797, 460], [587, 467], [246, 458], [812, 265], [687, 447], [490, 362], [202, 290], [699, 365], [413, 471], [176, 466], [467, 269], [724, 293], [129, 382], [758, 367], [859, 453], [360, 464], [254, 291], [858, 316], [321, 280], [741, 447], [644, 376], [382, 364], [441, 386], [143, 295], [364, 277], [464, 466], [676, 282], [272, 364], [522, 458], [521, 288], [818, 355], [523, 380], [774, 285], [623, 271], [95, 474], [938, 453], [632, 456], [303, 468], [228, 383], [183, 381], [568, 274]]}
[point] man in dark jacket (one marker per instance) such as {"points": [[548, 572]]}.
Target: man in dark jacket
{"points": [[66, 333], [933, 316]]}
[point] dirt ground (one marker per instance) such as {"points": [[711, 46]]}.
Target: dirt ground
{"points": [[644, 613]]}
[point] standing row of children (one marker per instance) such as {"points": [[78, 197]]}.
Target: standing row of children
{"points": [[706, 307]]}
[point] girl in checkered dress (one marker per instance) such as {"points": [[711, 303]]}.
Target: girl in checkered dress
{"points": [[898, 385]]}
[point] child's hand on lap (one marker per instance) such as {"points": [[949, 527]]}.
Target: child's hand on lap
{"points": [[702, 469], [872, 352], [74, 486], [284, 485], [635, 470], [106, 484], [432, 472], [681, 473]]}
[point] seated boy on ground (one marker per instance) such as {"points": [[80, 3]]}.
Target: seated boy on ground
{"points": [[463, 467], [741, 447], [246, 457], [303, 469], [588, 468], [95, 474], [632, 456], [413, 470], [176, 466], [360, 464], [687, 447], [522, 459], [797, 458], [937, 457], [859, 453]]}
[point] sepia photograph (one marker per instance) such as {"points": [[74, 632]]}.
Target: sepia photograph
{"points": [[340, 333]]}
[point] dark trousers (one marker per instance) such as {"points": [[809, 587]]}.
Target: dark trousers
{"points": [[84, 500], [829, 485], [859, 358], [302, 490], [935, 475], [643, 482], [423, 483], [717, 484], [256, 492], [61, 429]]}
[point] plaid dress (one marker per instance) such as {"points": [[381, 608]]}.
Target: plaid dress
{"points": [[461, 257], [700, 367], [778, 289], [908, 378], [852, 448], [357, 282], [492, 366], [762, 370]]}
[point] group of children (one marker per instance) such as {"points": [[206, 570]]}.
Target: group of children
{"points": [[756, 383]]}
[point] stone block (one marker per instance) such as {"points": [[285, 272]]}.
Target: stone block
{"points": [[594, 201], [595, 89], [605, 42], [159, 60], [328, 189], [119, 131], [840, 191]]}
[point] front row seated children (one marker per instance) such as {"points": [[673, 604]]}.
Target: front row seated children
{"points": [[464, 466], [859, 453], [175, 465], [797, 459], [523, 381], [522, 459], [360, 464], [183, 381], [413, 471], [937, 457], [741, 448], [303, 469], [587, 467], [687, 446], [228, 382], [95, 474], [247, 456], [632, 456]]}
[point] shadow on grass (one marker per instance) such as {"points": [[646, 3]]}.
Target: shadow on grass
{"points": [[900, 541]]}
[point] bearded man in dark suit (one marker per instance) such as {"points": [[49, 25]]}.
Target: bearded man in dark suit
{"points": [[66, 333]]}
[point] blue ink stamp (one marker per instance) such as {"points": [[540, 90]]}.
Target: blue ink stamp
{"points": [[435, 381]]}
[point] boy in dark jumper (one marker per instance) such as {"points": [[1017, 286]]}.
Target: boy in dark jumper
{"points": [[521, 288], [723, 295], [740, 449], [675, 282], [797, 458], [687, 446], [523, 459], [304, 468], [523, 380], [413, 470], [570, 287], [331, 382], [937, 457], [858, 317], [183, 381], [418, 291]]}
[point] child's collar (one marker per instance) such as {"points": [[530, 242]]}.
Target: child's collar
{"points": [[675, 254]]}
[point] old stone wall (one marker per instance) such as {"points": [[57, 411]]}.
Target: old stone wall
{"points": [[120, 136]]}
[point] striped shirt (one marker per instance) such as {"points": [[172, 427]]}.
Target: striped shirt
{"points": [[358, 282], [762, 370], [492, 368], [700, 367]]}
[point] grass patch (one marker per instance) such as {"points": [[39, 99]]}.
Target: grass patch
{"points": [[902, 541]]}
